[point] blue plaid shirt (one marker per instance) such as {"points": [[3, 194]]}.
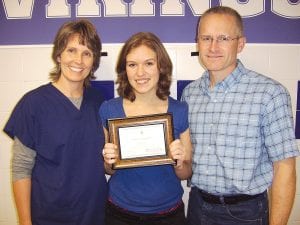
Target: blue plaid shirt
{"points": [[238, 130]]}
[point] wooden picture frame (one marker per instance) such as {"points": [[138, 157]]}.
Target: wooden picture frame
{"points": [[142, 140]]}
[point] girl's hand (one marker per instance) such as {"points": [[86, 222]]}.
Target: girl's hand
{"points": [[109, 153], [177, 152]]}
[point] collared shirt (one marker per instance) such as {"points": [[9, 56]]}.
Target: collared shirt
{"points": [[239, 128]]}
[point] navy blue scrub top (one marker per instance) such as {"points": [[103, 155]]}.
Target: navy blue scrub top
{"points": [[68, 179]]}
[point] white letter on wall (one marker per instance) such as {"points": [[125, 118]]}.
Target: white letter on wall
{"points": [[58, 9], [86, 8], [250, 8], [172, 8], [198, 7], [115, 8], [286, 8], [142, 8], [18, 9]]}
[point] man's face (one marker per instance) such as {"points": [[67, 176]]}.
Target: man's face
{"points": [[219, 42]]}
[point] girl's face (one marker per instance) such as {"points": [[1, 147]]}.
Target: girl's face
{"points": [[142, 70]]}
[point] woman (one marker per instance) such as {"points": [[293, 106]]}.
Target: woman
{"points": [[58, 173], [146, 195]]}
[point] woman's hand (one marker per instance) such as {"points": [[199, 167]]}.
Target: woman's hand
{"points": [[178, 153], [181, 151], [110, 156]]}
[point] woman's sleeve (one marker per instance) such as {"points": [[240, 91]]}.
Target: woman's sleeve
{"points": [[23, 123], [23, 160], [103, 114]]}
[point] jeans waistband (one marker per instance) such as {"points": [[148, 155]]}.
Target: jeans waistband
{"points": [[231, 199]]}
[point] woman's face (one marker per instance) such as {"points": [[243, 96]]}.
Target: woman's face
{"points": [[142, 70], [76, 61]]}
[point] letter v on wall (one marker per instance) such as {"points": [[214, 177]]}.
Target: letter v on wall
{"points": [[18, 9]]}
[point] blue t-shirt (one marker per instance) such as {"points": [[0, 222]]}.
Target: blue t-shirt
{"points": [[146, 189], [68, 179]]}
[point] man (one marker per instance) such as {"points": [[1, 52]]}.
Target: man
{"points": [[242, 131]]}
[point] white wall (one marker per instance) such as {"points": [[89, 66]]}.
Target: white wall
{"points": [[26, 67]]}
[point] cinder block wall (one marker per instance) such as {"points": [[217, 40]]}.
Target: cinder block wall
{"points": [[26, 67]]}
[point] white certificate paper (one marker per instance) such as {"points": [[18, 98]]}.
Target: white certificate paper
{"points": [[142, 141]]}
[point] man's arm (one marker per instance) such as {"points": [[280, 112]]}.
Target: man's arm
{"points": [[283, 190]]}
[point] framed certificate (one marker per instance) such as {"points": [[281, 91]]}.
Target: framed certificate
{"points": [[142, 140]]}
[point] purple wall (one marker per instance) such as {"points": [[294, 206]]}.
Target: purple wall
{"points": [[267, 27]]}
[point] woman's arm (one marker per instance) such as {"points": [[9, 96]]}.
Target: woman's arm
{"points": [[22, 194], [181, 151], [109, 153], [23, 161]]}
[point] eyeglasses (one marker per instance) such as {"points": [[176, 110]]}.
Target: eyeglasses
{"points": [[221, 39]]}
